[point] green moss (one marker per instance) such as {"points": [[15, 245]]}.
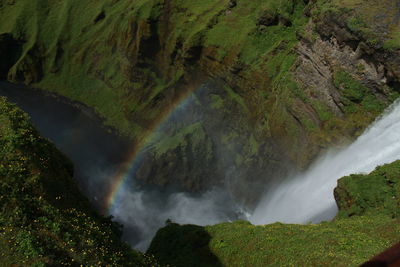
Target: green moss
{"points": [[344, 242], [371, 200], [191, 246], [93, 74], [130, 65], [254, 146], [235, 97], [216, 102], [376, 24], [93, 61], [44, 219], [163, 143], [393, 42], [323, 112], [377, 192], [356, 96], [356, 24], [351, 89]]}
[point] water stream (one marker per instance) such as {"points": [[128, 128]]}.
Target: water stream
{"points": [[98, 153], [308, 197]]}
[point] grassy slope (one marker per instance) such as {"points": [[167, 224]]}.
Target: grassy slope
{"points": [[95, 63], [126, 58], [379, 191], [44, 219], [376, 21], [371, 200]]}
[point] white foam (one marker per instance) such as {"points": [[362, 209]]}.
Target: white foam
{"points": [[308, 197]]}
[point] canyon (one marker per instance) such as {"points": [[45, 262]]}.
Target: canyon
{"points": [[200, 105]]}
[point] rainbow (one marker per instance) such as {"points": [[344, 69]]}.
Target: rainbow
{"points": [[133, 158]]}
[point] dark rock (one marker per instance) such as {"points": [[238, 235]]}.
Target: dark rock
{"points": [[100, 17], [10, 51], [284, 21], [268, 19]]}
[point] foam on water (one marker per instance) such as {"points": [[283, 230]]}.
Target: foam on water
{"points": [[308, 197]]}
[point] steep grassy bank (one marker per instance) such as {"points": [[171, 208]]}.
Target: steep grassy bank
{"points": [[44, 219], [271, 83], [367, 223], [288, 78]]}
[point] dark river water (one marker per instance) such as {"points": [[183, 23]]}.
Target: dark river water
{"points": [[97, 153], [94, 150]]}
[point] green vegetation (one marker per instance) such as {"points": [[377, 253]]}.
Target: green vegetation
{"points": [[44, 219], [91, 57], [393, 43], [367, 223], [360, 105], [132, 60], [344, 242], [188, 245], [367, 19], [193, 133], [355, 96], [375, 193]]}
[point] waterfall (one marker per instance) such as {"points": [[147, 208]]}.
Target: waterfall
{"points": [[308, 197]]}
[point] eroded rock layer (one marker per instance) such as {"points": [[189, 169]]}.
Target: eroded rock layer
{"points": [[270, 83]]}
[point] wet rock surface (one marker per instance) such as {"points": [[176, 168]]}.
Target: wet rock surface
{"points": [[277, 96]]}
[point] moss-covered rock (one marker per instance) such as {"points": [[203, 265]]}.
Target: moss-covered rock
{"points": [[44, 219], [293, 76], [374, 193], [187, 155], [344, 242], [188, 245], [282, 61], [367, 223]]}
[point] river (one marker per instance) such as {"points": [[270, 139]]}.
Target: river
{"points": [[97, 154]]}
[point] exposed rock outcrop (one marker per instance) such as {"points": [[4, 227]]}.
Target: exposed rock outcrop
{"points": [[10, 51], [287, 80]]}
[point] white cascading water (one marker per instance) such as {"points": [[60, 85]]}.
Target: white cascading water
{"points": [[308, 197]]}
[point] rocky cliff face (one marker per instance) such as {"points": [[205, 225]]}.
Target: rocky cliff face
{"points": [[268, 84]]}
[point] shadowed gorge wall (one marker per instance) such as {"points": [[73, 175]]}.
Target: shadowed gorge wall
{"points": [[289, 78], [230, 94], [10, 51], [44, 218]]}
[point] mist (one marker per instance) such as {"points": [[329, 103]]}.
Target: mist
{"points": [[143, 213], [98, 154], [308, 197], [95, 151]]}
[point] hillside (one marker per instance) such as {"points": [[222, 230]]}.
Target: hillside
{"points": [[270, 83], [367, 223], [226, 94], [44, 219]]}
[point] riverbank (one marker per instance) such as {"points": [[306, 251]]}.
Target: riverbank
{"points": [[44, 218]]}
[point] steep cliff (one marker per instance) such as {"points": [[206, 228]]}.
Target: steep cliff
{"points": [[44, 218], [271, 83]]}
